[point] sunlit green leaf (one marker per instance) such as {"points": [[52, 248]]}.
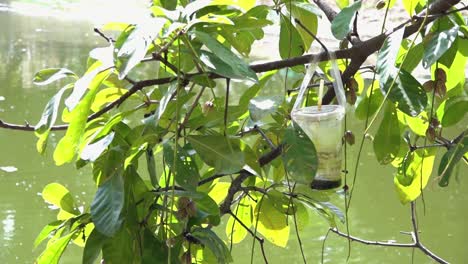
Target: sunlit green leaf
{"points": [[413, 175], [343, 22], [49, 115], [418, 124], [218, 191], [223, 61], [109, 95], [47, 76], [53, 251], [387, 139], [410, 5], [452, 111], [219, 152], [244, 212], [308, 15], [108, 203], [387, 57], [342, 3], [68, 145], [58, 195], [438, 45], [46, 231], [93, 150], [271, 222], [131, 46], [290, 41]]}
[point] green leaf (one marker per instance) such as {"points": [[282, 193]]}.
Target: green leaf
{"points": [[46, 231], [154, 251], [218, 151], [92, 151], [132, 45], [108, 203], [262, 106], [122, 248], [411, 57], [210, 240], [251, 92], [413, 175], [47, 76], [186, 171], [151, 166], [235, 232], [49, 115], [272, 223], [81, 85], [58, 195], [418, 124], [299, 155], [307, 14], [410, 5], [69, 144], [342, 3], [109, 95], [387, 57], [453, 62], [223, 61], [452, 111], [343, 22], [408, 94], [53, 251], [438, 45], [93, 247], [450, 159], [387, 139], [290, 41], [369, 104], [207, 210], [154, 119]]}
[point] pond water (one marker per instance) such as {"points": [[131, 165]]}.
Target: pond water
{"points": [[29, 43]]}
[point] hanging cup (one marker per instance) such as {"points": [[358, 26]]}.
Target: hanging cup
{"points": [[323, 124], [325, 128]]}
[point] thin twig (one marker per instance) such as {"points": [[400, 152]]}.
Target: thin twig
{"points": [[259, 239], [311, 34]]}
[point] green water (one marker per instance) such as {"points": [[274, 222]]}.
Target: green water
{"points": [[28, 44]]}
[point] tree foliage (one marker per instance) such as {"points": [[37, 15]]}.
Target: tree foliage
{"points": [[174, 152]]}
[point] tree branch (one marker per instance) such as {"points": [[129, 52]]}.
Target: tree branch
{"points": [[414, 234], [365, 48]]}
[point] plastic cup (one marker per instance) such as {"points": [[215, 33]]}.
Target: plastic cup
{"points": [[325, 129]]}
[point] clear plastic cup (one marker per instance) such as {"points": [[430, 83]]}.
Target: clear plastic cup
{"points": [[325, 129]]}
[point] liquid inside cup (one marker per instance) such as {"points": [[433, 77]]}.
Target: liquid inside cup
{"points": [[325, 129]]}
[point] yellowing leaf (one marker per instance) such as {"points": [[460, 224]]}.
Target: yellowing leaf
{"points": [[234, 230], [218, 191], [413, 175], [418, 124], [271, 223]]}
